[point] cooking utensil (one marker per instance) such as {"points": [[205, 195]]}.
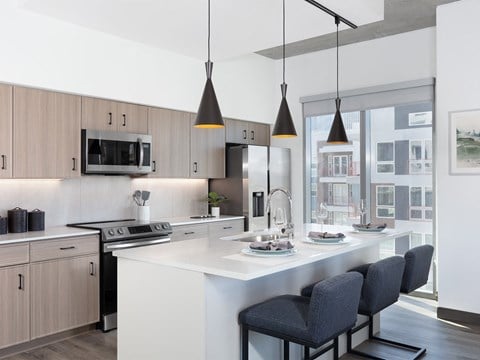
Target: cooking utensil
{"points": [[145, 196], [137, 196]]}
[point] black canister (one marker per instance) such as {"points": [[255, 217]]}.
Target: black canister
{"points": [[3, 225], [17, 220], [36, 220]]}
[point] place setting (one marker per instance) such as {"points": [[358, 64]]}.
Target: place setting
{"points": [[273, 248]]}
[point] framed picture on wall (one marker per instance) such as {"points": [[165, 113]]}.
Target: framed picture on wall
{"points": [[465, 142]]}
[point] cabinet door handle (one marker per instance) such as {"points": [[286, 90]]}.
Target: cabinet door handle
{"points": [[67, 248], [195, 167], [21, 282], [244, 134], [4, 162], [92, 268], [154, 163], [253, 135], [109, 118], [124, 120], [227, 227], [74, 164], [189, 233]]}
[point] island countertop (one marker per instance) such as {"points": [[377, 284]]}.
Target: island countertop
{"points": [[223, 257]]}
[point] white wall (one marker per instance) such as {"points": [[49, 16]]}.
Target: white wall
{"points": [[47, 53], [458, 197], [403, 57]]}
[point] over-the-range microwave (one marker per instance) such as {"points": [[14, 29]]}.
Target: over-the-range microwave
{"points": [[111, 152]]}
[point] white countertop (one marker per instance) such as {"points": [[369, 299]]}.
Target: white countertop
{"points": [[224, 258], [49, 233], [186, 220]]}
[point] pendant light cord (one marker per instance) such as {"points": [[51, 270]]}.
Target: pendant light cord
{"points": [[337, 22], [208, 31], [283, 48]]}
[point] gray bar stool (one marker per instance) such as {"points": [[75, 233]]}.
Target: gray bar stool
{"points": [[310, 322]]}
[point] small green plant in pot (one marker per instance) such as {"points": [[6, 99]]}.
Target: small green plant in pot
{"points": [[214, 200]]}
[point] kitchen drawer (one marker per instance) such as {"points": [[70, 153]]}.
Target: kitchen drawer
{"points": [[13, 254], [66, 247], [188, 232], [225, 228]]}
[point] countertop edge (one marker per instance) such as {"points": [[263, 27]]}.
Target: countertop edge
{"points": [[49, 234]]}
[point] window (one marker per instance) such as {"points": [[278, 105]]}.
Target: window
{"points": [[390, 133], [340, 165], [385, 201], [421, 202], [385, 157], [420, 118]]}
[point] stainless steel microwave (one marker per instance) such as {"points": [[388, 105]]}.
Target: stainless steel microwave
{"points": [[110, 152]]}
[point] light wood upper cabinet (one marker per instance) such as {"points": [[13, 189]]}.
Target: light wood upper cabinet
{"points": [[6, 131], [246, 132], [108, 115], [170, 132], [46, 142], [207, 152], [14, 305]]}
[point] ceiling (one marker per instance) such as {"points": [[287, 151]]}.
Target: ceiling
{"points": [[240, 27], [180, 26]]}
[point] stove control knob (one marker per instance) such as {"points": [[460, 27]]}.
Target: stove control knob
{"points": [[120, 231], [111, 232], [165, 226], [157, 227]]}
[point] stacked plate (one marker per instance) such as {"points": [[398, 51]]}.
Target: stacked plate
{"points": [[375, 228]]}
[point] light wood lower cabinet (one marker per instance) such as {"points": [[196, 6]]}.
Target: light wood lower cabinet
{"points": [[64, 294], [6, 131], [14, 305]]}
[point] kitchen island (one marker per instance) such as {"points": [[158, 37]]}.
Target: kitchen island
{"points": [[181, 300]]}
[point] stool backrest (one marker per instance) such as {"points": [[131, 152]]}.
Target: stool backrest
{"points": [[417, 267], [333, 306], [381, 287]]}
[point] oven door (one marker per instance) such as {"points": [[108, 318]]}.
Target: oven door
{"points": [[108, 278], [107, 152]]}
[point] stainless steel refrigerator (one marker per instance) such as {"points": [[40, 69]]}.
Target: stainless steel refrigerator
{"points": [[251, 172]]}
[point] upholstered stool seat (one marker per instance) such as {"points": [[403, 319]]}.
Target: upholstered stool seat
{"points": [[310, 322]]}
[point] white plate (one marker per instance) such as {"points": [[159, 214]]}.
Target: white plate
{"points": [[339, 241], [368, 230], [269, 253]]}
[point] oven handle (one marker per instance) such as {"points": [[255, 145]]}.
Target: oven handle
{"points": [[120, 245]]}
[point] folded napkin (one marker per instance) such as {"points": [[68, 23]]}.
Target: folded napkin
{"points": [[324, 235], [271, 245], [370, 226]]}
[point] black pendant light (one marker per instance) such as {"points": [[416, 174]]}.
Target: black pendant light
{"points": [[337, 133], [208, 114], [284, 127]]}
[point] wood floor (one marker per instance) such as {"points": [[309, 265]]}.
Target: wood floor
{"points": [[411, 320]]}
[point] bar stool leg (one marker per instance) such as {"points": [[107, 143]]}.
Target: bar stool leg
{"points": [[244, 342], [286, 350], [306, 353], [335, 348]]}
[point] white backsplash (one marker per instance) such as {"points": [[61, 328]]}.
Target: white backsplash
{"points": [[93, 198]]}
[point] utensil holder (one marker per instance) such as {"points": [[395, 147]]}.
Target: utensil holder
{"points": [[36, 220], [17, 220], [143, 213]]}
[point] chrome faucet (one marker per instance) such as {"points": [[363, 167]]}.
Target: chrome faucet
{"points": [[289, 228]]}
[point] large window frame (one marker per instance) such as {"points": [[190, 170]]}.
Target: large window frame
{"points": [[384, 96]]}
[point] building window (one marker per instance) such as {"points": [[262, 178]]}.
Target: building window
{"points": [[421, 202], [420, 156], [385, 201], [385, 158], [340, 194], [340, 165], [420, 118]]}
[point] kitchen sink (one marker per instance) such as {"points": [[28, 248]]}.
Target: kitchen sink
{"points": [[249, 237]]}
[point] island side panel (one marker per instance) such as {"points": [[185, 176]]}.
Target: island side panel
{"points": [[227, 297], [161, 312]]}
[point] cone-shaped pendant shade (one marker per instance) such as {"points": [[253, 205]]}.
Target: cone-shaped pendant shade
{"points": [[337, 133], [208, 114], [284, 127]]}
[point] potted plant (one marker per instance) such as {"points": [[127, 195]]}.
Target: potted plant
{"points": [[214, 200]]}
